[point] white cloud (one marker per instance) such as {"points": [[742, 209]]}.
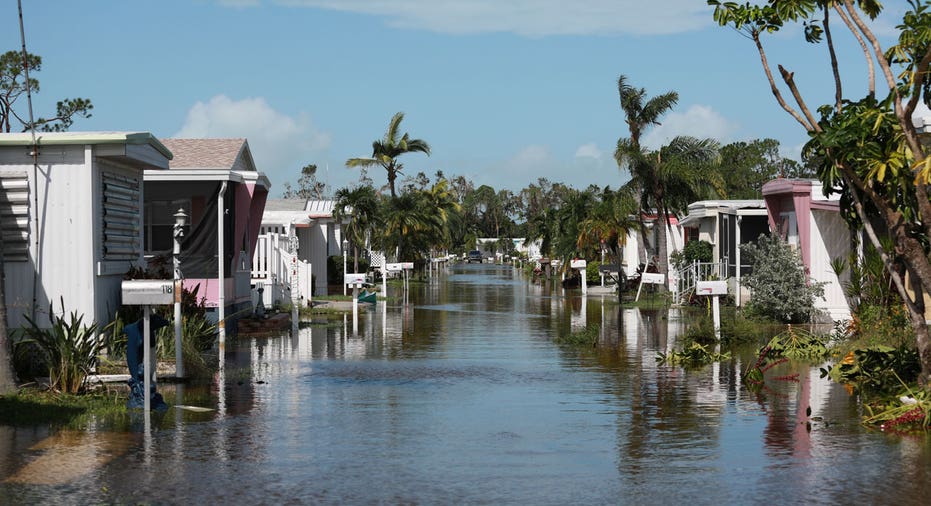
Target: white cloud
{"points": [[589, 150], [697, 121], [590, 165], [280, 144], [535, 18]]}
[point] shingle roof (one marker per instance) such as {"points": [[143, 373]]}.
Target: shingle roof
{"points": [[204, 153], [285, 204]]}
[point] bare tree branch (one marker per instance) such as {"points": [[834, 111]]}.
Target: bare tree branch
{"points": [[789, 79], [774, 89], [838, 89], [866, 50]]}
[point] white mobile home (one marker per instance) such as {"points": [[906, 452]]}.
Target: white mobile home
{"points": [[72, 212]]}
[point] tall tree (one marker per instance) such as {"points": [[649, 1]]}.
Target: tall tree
{"points": [[13, 86], [669, 178], [307, 185], [750, 164], [641, 113], [385, 152], [869, 148]]}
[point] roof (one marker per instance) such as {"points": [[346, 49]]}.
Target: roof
{"points": [[74, 138], [207, 153], [285, 204], [320, 208], [211, 160], [712, 208]]}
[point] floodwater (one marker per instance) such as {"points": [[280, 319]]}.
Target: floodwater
{"points": [[461, 396]]}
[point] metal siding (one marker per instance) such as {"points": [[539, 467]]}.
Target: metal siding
{"points": [[830, 239], [316, 246], [67, 237]]}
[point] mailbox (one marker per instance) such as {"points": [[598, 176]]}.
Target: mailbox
{"points": [[407, 265], [354, 279], [148, 292], [608, 268], [711, 288], [393, 267], [578, 264], [652, 278]]}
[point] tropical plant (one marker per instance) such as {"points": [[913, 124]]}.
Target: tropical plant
{"points": [[868, 149], [693, 355], [640, 113], [68, 348], [385, 152], [878, 369], [358, 209], [781, 289], [797, 344], [609, 223], [670, 178]]}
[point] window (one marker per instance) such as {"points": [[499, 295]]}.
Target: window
{"points": [[160, 223], [14, 216]]}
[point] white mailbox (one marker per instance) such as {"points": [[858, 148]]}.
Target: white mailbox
{"points": [[578, 264], [355, 279], [407, 265], [148, 292], [652, 278], [394, 267], [711, 288]]}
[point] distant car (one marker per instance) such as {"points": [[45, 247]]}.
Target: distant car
{"points": [[474, 256]]}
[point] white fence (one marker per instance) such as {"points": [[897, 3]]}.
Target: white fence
{"points": [[272, 270]]}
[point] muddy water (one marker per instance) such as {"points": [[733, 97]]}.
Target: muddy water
{"points": [[461, 396]]}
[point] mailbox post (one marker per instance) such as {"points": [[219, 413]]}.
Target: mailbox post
{"points": [[581, 265], [355, 281], [147, 293], [714, 289]]}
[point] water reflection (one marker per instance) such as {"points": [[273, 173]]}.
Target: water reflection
{"points": [[458, 394]]}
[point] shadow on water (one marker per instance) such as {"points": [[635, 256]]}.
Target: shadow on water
{"points": [[461, 395]]}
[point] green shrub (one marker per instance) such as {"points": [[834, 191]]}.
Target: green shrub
{"points": [[585, 337], [781, 290], [694, 251]]}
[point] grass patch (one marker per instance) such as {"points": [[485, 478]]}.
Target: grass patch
{"points": [[32, 406], [585, 337]]}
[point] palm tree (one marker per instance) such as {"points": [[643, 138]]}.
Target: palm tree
{"points": [[360, 206], [385, 152], [404, 216], [641, 113], [609, 223], [442, 207], [670, 178]]}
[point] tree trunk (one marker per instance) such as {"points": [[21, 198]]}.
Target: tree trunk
{"points": [[662, 250], [7, 383]]}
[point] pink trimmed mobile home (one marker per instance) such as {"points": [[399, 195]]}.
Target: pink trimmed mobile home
{"points": [[216, 183]]}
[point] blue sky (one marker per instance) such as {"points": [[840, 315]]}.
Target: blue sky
{"points": [[505, 91]]}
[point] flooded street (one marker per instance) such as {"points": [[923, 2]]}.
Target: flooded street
{"points": [[462, 396]]}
